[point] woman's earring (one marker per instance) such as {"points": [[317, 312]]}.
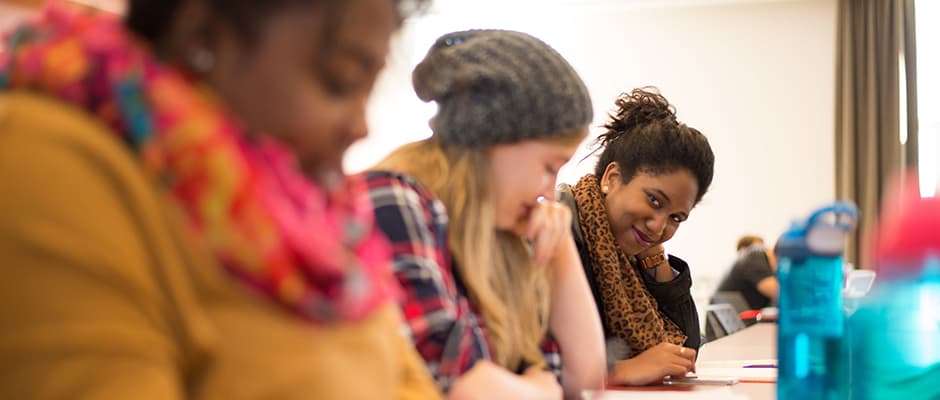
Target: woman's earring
{"points": [[604, 189], [201, 60]]}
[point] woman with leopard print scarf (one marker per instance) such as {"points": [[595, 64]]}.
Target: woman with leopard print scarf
{"points": [[652, 172]]}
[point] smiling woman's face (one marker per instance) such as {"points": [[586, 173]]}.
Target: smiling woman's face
{"points": [[648, 209]]}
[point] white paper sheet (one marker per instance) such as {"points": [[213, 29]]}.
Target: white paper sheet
{"points": [[718, 393], [744, 370]]}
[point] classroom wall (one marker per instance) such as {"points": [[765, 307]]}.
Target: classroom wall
{"points": [[757, 77]]}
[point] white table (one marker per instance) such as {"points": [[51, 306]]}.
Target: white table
{"points": [[757, 342]]}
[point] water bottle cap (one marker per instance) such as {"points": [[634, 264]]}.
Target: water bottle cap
{"points": [[822, 234], [909, 229]]}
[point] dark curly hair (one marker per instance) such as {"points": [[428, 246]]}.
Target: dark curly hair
{"points": [[150, 18], [643, 135]]}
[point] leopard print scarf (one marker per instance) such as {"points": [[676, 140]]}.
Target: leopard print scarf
{"points": [[630, 311]]}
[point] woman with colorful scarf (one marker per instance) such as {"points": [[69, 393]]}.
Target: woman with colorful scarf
{"points": [[175, 221], [652, 172]]}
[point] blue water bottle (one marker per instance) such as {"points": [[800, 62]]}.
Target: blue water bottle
{"points": [[810, 325], [895, 331]]}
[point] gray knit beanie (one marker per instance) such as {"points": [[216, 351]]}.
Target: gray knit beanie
{"points": [[497, 87]]}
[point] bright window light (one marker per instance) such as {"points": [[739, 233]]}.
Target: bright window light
{"points": [[928, 94]]}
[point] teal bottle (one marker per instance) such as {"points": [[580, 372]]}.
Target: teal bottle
{"points": [[895, 332], [811, 322]]}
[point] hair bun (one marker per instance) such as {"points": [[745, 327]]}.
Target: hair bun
{"points": [[642, 106]]}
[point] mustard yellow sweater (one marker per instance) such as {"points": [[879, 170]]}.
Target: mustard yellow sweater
{"points": [[102, 297]]}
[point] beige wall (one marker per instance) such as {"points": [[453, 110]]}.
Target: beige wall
{"points": [[757, 77]]}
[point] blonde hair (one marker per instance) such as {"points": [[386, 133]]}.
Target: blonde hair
{"points": [[496, 267]]}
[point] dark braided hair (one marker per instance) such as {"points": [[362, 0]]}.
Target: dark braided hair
{"points": [[643, 135], [151, 18]]}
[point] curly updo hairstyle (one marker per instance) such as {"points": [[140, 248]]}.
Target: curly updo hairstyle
{"points": [[643, 135]]}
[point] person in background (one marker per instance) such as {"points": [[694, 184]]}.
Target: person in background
{"points": [[753, 274], [175, 220], [747, 243], [653, 170], [494, 288]]}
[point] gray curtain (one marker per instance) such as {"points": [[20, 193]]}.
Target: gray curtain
{"points": [[876, 53]]}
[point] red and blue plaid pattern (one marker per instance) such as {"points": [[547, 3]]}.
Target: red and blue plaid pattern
{"points": [[446, 329]]}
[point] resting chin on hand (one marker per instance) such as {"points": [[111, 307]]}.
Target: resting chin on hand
{"points": [[662, 271]]}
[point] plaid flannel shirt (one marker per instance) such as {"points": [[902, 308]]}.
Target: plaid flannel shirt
{"points": [[445, 327]]}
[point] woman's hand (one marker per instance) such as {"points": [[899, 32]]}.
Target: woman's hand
{"points": [[654, 364], [487, 380], [663, 271], [545, 383], [549, 229], [574, 321], [651, 251]]}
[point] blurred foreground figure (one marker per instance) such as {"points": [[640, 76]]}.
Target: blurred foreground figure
{"points": [[174, 220]]}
